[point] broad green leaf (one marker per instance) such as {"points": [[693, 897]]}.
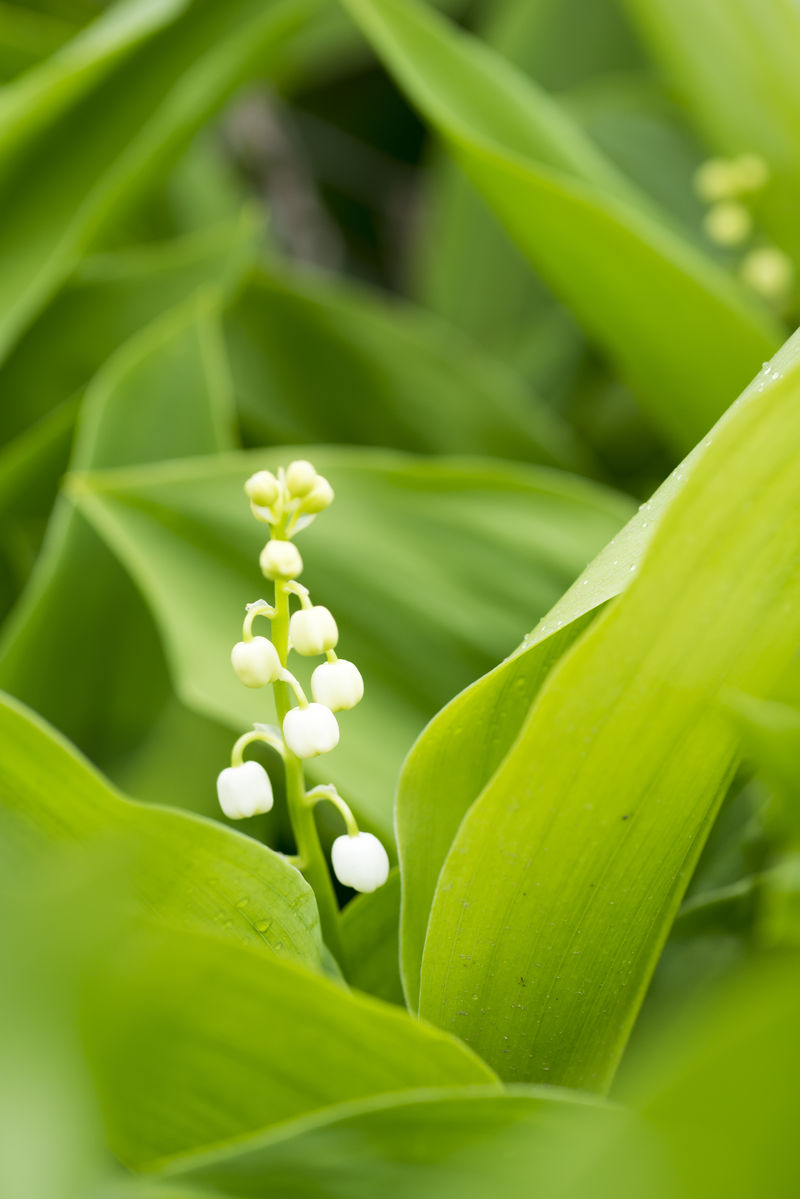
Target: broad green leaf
{"points": [[542, 909], [80, 626], [27, 36], [463, 745], [714, 55], [402, 558], [437, 1144], [718, 1087], [377, 373], [155, 73], [191, 873], [110, 298], [370, 937], [770, 731], [619, 264], [30, 469], [195, 1040], [173, 763], [643, 133], [560, 44]]}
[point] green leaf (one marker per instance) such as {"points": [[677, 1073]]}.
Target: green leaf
{"points": [[622, 268], [190, 873], [560, 44], [370, 936], [463, 745], [542, 909], [110, 298], [770, 731], [195, 1040], [718, 1086], [401, 558], [30, 469], [27, 36], [714, 55], [155, 73], [68, 643], [437, 1144], [376, 373]]}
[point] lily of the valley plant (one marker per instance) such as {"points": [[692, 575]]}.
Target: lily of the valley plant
{"points": [[287, 503]]}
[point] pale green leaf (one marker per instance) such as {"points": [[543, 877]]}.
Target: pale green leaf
{"points": [[466, 741], [545, 926], [436, 1144], [195, 1040]]}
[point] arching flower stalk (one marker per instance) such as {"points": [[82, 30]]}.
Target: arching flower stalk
{"points": [[288, 502]]}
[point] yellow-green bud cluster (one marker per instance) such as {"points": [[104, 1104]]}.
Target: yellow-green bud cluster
{"points": [[729, 186], [291, 498]]}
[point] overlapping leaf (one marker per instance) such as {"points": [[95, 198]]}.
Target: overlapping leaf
{"points": [[546, 925], [142, 78], [621, 266], [438, 1144], [467, 740], [80, 627], [195, 1041], [191, 873], [375, 373]]}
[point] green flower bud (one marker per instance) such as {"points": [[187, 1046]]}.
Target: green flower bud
{"points": [[300, 477], [262, 488]]}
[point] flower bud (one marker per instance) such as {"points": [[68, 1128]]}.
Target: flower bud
{"points": [[312, 631], [320, 496], [256, 662], [280, 560], [310, 731], [728, 224], [244, 790], [338, 685], [715, 180], [262, 488], [769, 272], [360, 862], [752, 173], [300, 477]]}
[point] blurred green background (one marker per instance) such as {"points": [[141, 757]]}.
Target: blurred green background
{"points": [[230, 236]]}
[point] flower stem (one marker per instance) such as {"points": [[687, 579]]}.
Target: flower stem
{"points": [[312, 860]]}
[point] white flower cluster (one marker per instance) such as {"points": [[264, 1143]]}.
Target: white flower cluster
{"points": [[728, 186], [288, 502]]}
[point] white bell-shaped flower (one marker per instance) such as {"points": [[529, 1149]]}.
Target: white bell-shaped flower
{"points": [[360, 862], [338, 685], [300, 477], [311, 730], [312, 631], [244, 790], [280, 560], [256, 662]]}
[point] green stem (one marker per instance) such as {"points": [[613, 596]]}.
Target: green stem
{"points": [[312, 859]]}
